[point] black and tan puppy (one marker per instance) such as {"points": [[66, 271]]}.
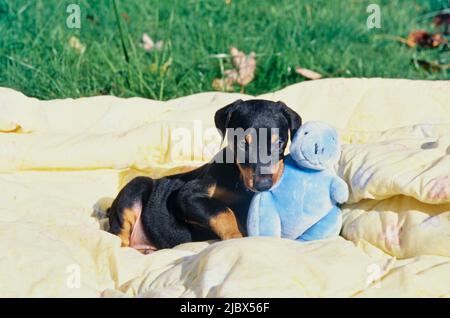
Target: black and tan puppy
{"points": [[212, 201]]}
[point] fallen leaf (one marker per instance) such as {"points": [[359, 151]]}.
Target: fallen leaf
{"points": [[76, 44], [243, 72], [149, 45], [419, 37], [163, 69], [424, 39], [430, 65], [244, 65], [223, 84], [443, 19], [125, 16], [309, 74], [437, 39], [165, 66], [231, 74]]}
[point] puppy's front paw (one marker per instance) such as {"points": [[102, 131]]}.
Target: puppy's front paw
{"points": [[233, 236], [225, 225]]}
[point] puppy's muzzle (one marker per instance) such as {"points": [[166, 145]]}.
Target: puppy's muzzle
{"points": [[262, 182]]}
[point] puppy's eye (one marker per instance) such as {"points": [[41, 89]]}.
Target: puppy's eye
{"points": [[278, 145]]}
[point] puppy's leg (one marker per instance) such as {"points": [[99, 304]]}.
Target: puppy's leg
{"points": [[225, 225], [127, 205], [198, 206]]}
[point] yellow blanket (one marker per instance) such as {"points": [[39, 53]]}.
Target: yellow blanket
{"points": [[62, 161]]}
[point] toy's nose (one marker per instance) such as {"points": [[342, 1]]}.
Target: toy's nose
{"points": [[316, 149]]}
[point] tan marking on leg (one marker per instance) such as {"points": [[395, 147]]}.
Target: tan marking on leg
{"points": [[225, 225], [129, 219]]}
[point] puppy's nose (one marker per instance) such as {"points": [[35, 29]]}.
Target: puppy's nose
{"points": [[264, 184]]}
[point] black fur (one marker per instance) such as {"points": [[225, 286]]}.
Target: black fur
{"points": [[177, 208]]}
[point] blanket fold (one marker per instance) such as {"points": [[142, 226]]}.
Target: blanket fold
{"points": [[63, 161]]}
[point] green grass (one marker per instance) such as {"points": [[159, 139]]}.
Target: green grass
{"points": [[328, 36]]}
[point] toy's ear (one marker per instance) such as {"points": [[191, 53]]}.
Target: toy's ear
{"points": [[223, 116], [294, 119]]}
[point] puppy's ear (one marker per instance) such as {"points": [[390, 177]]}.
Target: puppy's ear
{"points": [[294, 119], [223, 116]]}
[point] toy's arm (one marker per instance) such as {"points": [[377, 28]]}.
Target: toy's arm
{"points": [[329, 226], [339, 190], [263, 218]]}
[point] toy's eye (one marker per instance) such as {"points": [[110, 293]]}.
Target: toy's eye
{"points": [[306, 132]]}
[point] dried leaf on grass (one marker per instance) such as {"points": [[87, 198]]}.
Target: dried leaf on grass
{"points": [[424, 39], [443, 19], [149, 45], [223, 84], [125, 16], [76, 44], [242, 73], [309, 74], [430, 66], [163, 69], [244, 65]]}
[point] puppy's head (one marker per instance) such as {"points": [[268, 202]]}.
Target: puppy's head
{"points": [[257, 134]]}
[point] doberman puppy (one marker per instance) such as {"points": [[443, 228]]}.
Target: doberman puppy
{"points": [[210, 202]]}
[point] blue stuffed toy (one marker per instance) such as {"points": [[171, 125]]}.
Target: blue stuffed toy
{"points": [[303, 205]]}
